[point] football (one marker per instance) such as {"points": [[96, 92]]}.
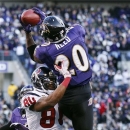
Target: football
{"points": [[29, 17]]}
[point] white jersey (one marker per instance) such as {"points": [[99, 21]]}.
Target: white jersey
{"points": [[45, 120]]}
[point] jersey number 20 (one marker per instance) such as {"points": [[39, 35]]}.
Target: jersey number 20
{"points": [[81, 62]]}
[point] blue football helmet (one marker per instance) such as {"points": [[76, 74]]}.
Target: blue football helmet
{"points": [[44, 79]]}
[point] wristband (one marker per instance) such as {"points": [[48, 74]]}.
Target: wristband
{"points": [[66, 82]]}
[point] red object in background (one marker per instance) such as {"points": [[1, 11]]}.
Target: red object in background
{"points": [[6, 53], [118, 104], [102, 108], [29, 17]]}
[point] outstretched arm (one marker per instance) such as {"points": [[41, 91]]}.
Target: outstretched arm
{"points": [[45, 103], [29, 40], [30, 44]]}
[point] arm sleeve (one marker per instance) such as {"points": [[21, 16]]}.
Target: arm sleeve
{"points": [[40, 52], [7, 127], [13, 117]]}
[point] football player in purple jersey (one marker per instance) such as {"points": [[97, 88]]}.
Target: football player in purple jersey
{"points": [[18, 120], [65, 44]]}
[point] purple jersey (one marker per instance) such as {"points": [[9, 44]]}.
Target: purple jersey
{"points": [[73, 51], [17, 117]]}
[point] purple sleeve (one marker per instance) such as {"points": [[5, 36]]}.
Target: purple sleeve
{"points": [[13, 120], [16, 116], [40, 52]]}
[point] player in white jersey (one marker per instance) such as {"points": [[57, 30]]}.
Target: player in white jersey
{"points": [[40, 100]]}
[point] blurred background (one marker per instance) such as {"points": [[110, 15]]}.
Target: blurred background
{"points": [[107, 25]]}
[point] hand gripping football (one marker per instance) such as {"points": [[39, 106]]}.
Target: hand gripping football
{"points": [[29, 17]]}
